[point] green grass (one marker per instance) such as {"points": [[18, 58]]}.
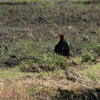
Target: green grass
{"points": [[49, 62], [92, 72], [9, 74]]}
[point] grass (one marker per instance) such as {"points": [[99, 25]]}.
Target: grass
{"points": [[41, 76], [37, 85], [9, 74], [78, 60], [19, 1], [47, 62], [92, 72], [25, 88]]}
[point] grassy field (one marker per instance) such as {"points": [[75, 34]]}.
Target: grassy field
{"points": [[29, 68]]}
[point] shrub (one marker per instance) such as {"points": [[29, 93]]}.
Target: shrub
{"points": [[29, 66]]}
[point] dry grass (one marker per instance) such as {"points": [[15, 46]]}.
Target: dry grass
{"points": [[30, 86], [92, 72], [45, 85]]}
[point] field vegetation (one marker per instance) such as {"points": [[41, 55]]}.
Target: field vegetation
{"points": [[29, 67]]}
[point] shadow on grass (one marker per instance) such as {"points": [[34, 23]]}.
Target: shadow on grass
{"points": [[90, 94], [63, 2], [88, 2], [12, 60], [18, 3]]}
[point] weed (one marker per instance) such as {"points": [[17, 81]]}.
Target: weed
{"points": [[29, 67], [77, 60], [9, 74], [41, 75], [97, 49], [89, 56], [92, 72]]}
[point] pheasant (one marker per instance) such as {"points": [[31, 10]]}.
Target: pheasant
{"points": [[62, 47]]}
